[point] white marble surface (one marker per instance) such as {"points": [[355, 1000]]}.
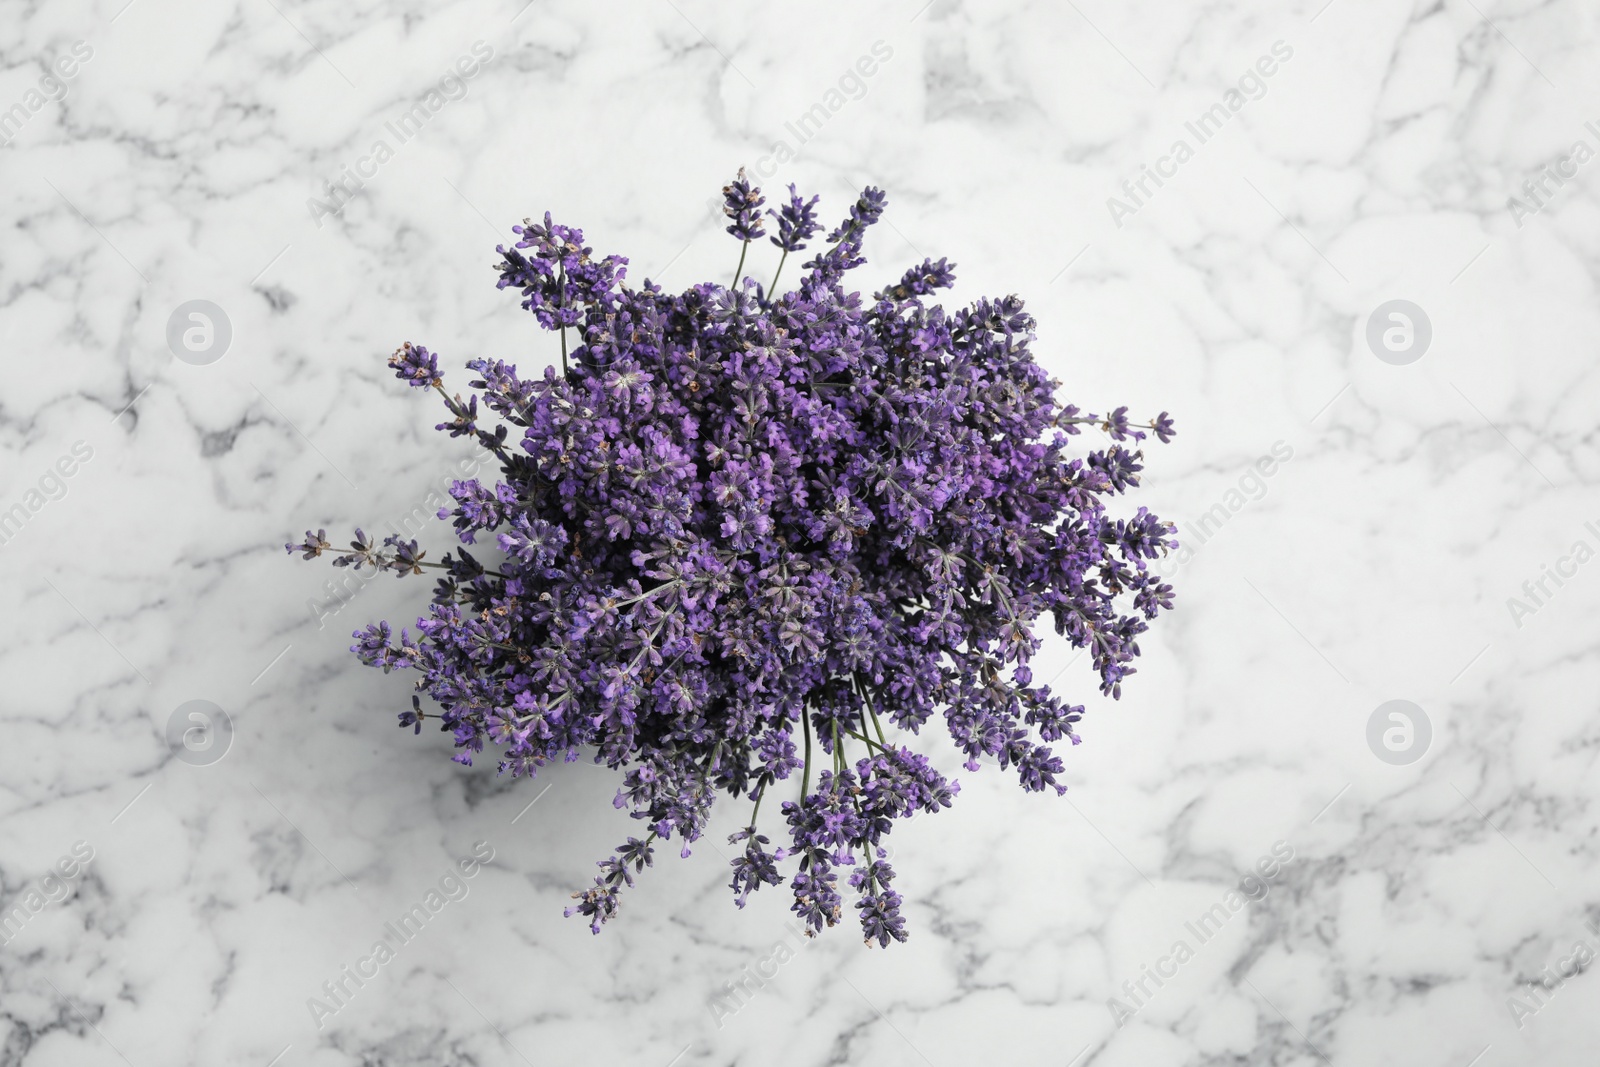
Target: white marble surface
{"points": [[1376, 164]]}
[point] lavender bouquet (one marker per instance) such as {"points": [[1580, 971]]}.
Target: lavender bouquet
{"points": [[746, 536]]}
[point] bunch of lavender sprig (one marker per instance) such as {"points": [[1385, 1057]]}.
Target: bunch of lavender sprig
{"points": [[751, 542]]}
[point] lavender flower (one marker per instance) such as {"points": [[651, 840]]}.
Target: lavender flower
{"points": [[797, 222], [744, 536], [742, 202]]}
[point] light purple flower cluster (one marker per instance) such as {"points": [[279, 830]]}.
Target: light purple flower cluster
{"points": [[745, 536]]}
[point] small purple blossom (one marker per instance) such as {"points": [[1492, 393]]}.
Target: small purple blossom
{"points": [[313, 546], [797, 222], [748, 542], [879, 906], [742, 202], [415, 364], [757, 867], [920, 281]]}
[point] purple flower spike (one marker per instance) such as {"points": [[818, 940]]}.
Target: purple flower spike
{"points": [[742, 202], [797, 222]]}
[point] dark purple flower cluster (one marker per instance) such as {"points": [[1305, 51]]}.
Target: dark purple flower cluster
{"points": [[745, 536]]}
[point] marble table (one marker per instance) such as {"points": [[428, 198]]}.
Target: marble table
{"points": [[1344, 814]]}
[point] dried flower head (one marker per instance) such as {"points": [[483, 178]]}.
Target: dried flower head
{"points": [[750, 537]]}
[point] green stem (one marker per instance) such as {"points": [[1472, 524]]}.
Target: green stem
{"points": [[460, 412], [673, 584], [739, 270], [444, 567], [805, 777], [1102, 423], [760, 793], [649, 644], [774, 286], [561, 287], [877, 726], [870, 743], [565, 696], [861, 688]]}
